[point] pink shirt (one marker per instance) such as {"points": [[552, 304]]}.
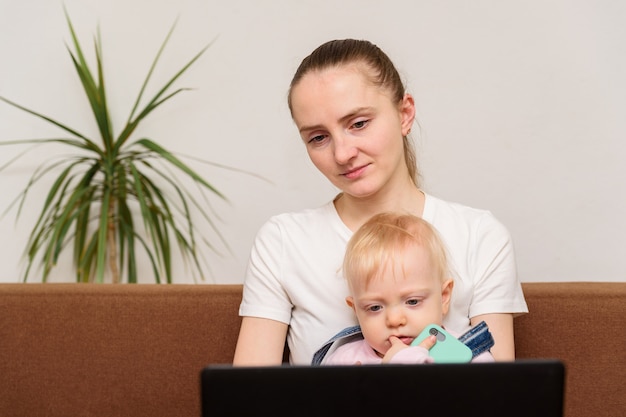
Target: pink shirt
{"points": [[358, 352]]}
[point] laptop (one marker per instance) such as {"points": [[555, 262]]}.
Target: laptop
{"points": [[520, 388]]}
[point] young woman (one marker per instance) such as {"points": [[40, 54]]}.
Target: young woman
{"points": [[354, 117]]}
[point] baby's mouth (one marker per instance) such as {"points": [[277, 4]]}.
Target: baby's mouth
{"points": [[406, 339]]}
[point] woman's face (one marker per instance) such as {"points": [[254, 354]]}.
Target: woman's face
{"points": [[352, 129]]}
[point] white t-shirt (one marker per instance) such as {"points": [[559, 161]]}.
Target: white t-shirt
{"points": [[294, 272]]}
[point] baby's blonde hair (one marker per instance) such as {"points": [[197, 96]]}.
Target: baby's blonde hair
{"points": [[375, 244]]}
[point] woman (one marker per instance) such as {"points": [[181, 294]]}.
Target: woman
{"points": [[354, 117]]}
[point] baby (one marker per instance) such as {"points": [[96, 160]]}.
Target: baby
{"points": [[399, 281]]}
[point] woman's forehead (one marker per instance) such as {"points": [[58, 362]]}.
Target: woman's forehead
{"points": [[336, 91]]}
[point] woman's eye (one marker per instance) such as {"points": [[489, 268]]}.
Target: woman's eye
{"points": [[317, 139], [360, 124]]}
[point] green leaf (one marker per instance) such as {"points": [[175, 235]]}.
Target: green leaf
{"points": [[148, 144], [46, 118], [111, 197]]}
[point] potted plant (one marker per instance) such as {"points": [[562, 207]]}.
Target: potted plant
{"points": [[114, 196]]}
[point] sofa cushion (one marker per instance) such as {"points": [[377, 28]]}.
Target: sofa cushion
{"points": [[584, 325]]}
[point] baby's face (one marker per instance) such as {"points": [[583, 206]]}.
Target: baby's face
{"points": [[404, 297]]}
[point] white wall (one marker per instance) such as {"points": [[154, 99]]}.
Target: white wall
{"points": [[521, 105]]}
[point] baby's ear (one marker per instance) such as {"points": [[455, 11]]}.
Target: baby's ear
{"points": [[446, 294], [350, 302]]}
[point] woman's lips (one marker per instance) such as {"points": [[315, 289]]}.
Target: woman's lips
{"points": [[355, 173]]}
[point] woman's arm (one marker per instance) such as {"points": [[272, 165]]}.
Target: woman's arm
{"points": [[501, 328], [261, 342]]}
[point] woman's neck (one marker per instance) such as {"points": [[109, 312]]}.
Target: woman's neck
{"points": [[356, 211]]}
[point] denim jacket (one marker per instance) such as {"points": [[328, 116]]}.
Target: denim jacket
{"points": [[478, 339]]}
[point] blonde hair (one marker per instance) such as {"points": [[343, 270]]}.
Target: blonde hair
{"points": [[377, 241]]}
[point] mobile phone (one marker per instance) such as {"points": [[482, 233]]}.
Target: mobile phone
{"points": [[448, 348]]}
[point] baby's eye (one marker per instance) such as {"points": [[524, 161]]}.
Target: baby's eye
{"points": [[413, 302], [374, 309]]}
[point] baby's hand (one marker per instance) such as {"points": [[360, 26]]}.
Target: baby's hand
{"points": [[429, 342], [396, 346]]}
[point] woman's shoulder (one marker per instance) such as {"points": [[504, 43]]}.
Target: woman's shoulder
{"points": [[307, 225], [437, 210], [434, 205], [307, 215], [454, 219]]}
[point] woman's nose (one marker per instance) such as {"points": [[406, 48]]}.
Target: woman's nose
{"points": [[344, 149]]}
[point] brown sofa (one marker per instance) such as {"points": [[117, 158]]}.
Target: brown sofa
{"points": [[137, 350]]}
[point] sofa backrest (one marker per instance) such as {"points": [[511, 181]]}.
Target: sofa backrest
{"points": [[122, 350], [111, 350], [584, 325]]}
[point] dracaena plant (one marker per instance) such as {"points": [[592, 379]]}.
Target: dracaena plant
{"points": [[115, 196]]}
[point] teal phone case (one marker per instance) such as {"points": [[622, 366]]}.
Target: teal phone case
{"points": [[448, 348]]}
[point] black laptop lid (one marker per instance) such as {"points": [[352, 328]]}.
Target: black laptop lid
{"points": [[504, 389]]}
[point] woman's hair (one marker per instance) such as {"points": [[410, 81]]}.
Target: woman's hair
{"points": [[381, 72], [384, 236]]}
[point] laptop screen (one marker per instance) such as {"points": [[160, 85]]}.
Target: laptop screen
{"points": [[503, 389]]}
